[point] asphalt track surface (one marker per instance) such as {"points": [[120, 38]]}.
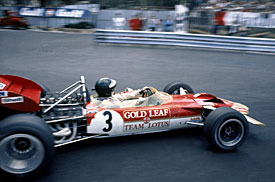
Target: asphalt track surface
{"points": [[57, 60]]}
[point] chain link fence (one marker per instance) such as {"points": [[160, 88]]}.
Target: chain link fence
{"points": [[203, 22]]}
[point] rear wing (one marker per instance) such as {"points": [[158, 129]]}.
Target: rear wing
{"points": [[19, 93]]}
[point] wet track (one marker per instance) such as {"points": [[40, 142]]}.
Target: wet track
{"points": [[58, 60]]}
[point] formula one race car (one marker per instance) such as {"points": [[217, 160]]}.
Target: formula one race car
{"points": [[33, 120], [10, 20]]}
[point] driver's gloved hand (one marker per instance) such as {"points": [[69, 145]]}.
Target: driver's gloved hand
{"points": [[140, 100]]}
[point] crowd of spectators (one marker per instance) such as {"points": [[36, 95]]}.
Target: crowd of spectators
{"points": [[139, 22], [170, 23], [264, 6]]}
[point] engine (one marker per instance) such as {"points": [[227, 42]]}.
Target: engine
{"points": [[65, 115], [69, 107]]}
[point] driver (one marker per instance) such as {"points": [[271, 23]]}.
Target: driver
{"points": [[106, 97]]}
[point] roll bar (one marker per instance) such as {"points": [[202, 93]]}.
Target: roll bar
{"points": [[79, 85]]}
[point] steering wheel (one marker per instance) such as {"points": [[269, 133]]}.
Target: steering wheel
{"points": [[147, 92]]}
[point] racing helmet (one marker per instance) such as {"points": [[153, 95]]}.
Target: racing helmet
{"points": [[104, 87]]}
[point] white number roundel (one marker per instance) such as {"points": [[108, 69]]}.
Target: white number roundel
{"points": [[106, 122]]}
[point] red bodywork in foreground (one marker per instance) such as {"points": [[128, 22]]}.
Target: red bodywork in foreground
{"points": [[23, 94]]}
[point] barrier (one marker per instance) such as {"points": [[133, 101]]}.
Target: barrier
{"points": [[188, 40], [54, 17]]}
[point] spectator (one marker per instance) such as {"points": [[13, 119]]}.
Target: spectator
{"points": [[153, 23], [179, 20], [119, 22], [135, 23], [218, 20], [167, 24], [143, 21]]}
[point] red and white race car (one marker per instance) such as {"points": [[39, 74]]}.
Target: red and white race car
{"points": [[33, 120]]}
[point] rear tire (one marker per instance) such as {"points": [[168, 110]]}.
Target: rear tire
{"points": [[173, 88], [226, 129], [26, 145], [45, 90]]}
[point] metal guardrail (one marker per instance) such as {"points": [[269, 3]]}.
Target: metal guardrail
{"points": [[182, 39]]}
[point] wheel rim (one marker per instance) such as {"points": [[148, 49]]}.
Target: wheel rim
{"points": [[21, 153], [177, 91], [231, 132]]}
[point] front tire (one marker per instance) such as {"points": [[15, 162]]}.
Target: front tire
{"points": [[26, 145], [226, 129]]}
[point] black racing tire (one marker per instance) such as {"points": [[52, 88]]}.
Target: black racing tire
{"points": [[26, 145], [174, 87], [226, 129], [45, 90]]}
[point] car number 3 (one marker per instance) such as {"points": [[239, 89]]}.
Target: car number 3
{"points": [[108, 121]]}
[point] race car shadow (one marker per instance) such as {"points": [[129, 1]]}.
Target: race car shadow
{"points": [[185, 135]]}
